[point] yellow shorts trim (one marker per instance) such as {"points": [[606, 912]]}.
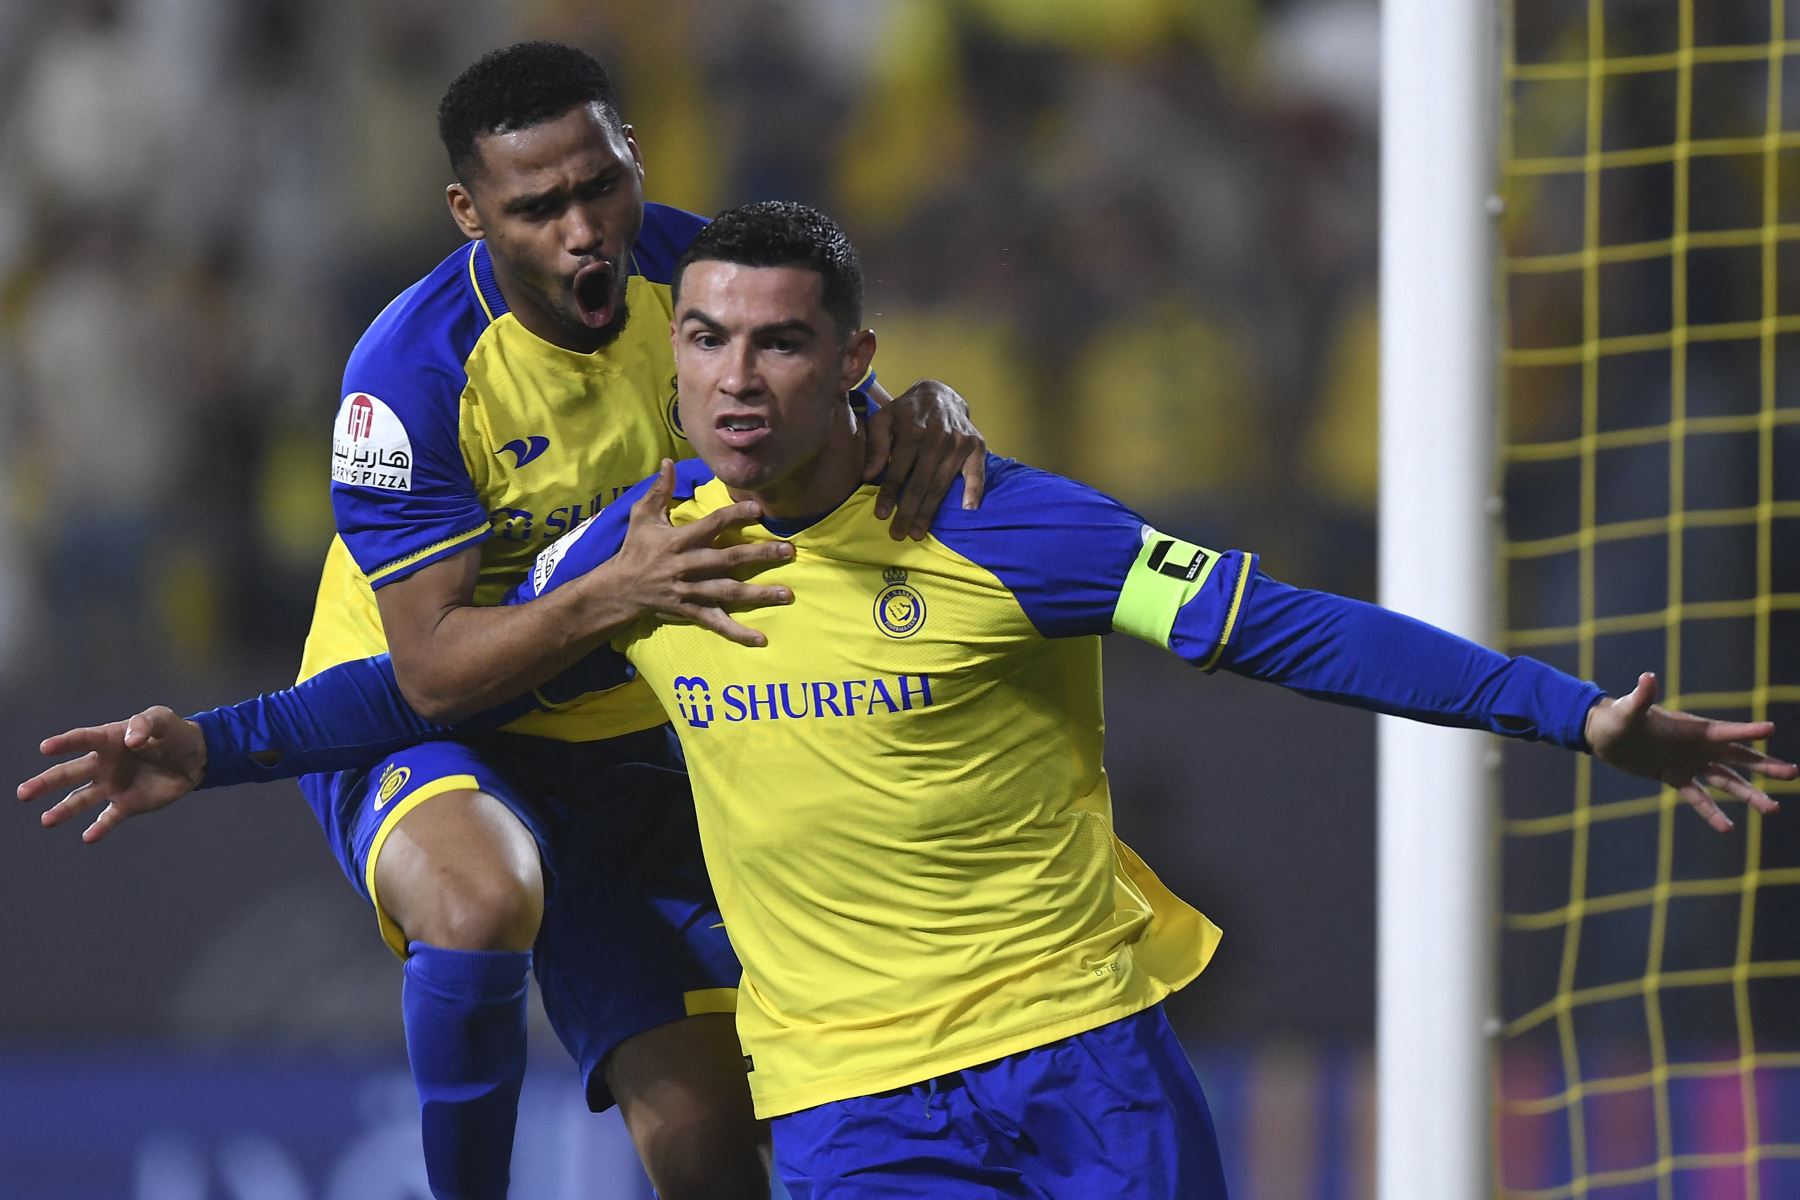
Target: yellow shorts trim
{"points": [[390, 932], [710, 1000]]}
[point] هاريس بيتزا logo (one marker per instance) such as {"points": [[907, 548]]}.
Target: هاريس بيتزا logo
{"points": [[392, 780], [899, 608]]}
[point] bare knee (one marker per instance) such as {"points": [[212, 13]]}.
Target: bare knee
{"points": [[461, 872]]}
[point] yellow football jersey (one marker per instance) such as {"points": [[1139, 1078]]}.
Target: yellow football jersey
{"points": [[461, 427], [901, 797]]}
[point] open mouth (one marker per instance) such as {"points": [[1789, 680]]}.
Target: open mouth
{"points": [[740, 430], [596, 299]]}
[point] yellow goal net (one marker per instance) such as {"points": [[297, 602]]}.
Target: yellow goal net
{"points": [[1649, 279]]}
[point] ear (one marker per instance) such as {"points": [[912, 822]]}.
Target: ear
{"points": [[637, 156], [462, 211], [857, 354]]}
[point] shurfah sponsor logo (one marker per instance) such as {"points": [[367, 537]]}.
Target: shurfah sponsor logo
{"points": [[369, 446], [703, 705]]}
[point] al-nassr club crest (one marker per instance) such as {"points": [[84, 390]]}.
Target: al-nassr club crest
{"points": [[899, 609]]}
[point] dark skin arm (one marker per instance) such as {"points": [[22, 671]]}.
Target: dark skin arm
{"points": [[453, 658]]}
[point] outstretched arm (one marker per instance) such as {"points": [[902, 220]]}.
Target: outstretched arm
{"points": [[1686, 752], [133, 766], [1353, 653], [339, 719]]}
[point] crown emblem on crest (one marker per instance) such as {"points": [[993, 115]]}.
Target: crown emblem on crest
{"points": [[899, 608]]}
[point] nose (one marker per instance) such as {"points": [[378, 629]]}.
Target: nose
{"points": [[583, 234], [739, 376]]}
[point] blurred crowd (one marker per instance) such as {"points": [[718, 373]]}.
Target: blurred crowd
{"points": [[1139, 236]]}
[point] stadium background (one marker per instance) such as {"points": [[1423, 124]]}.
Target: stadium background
{"points": [[1139, 236]]}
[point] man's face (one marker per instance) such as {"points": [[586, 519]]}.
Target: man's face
{"points": [[560, 205], [763, 372]]}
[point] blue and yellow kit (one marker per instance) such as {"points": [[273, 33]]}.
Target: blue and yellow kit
{"points": [[460, 428], [902, 798]]}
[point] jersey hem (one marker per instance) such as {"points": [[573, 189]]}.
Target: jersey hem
{"points": [[781, 1102]]}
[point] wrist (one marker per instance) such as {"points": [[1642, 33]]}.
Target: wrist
{"points": [[1600, 705], [193, 766], [606, 603]]}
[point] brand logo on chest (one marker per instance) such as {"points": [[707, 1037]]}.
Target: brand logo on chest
{"points": [[899, 608]]}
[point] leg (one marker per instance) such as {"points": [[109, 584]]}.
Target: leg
{"points": [[461, 872], [637, 975], [682, 1091], [458, 878]]}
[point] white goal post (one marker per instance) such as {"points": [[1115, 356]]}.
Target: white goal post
{"points": [[1434, 940]]}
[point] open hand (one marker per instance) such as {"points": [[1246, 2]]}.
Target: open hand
{"points": [[1688, 753], [683, 575], [132, 767]]}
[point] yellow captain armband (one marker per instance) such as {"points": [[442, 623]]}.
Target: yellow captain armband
{"points": [[1167, 573]]}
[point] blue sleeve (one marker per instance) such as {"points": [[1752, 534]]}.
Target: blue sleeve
{"points": [[339, 719], [1079, 562], [662, 240], [401, 494], [354, 713], [599, 537], [1349, 652]]}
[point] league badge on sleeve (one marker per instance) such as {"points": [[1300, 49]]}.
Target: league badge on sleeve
{"points": [[544, 566], [369, 446]]}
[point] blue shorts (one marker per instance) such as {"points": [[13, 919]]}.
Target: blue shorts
{"points": [[631, 937], [1114, 1112]]}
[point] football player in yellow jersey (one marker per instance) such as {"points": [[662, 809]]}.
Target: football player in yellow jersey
{"points": [[508, 395], [952, 968]]}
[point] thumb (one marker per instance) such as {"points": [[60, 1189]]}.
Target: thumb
{"points": [[1641, 698], [655, 502], [142, 729]]}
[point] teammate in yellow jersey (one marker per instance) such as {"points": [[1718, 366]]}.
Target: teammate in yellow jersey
{"points": [[952, 967], [509, 394]]}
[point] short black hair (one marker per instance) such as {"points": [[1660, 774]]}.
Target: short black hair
{"points": [[782, 233], [515, 88]]}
